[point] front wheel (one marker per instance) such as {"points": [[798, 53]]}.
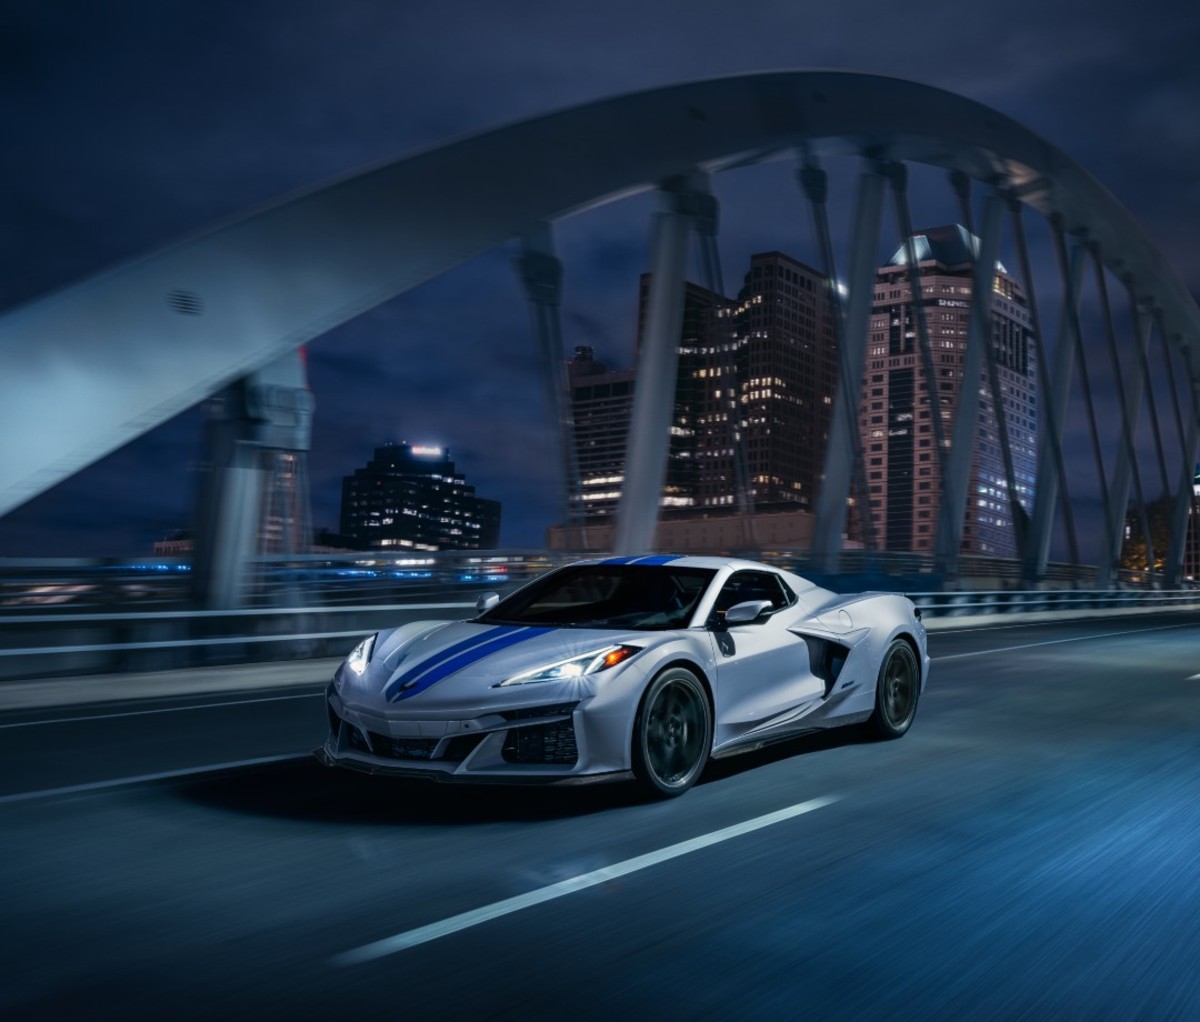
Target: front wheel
{"points": [[672, 735], [896, 691]]}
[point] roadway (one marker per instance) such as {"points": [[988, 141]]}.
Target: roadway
{"points": [[1030, 850]]}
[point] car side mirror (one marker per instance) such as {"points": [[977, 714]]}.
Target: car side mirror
{"points": [[744, 613], [486, 602]]}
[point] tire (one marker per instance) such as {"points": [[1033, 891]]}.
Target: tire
{"points": [[896, 691], [672, 734]]}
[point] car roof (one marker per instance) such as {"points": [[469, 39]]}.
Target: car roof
{"points": [[683, 561]]}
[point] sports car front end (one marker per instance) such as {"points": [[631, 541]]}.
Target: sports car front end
{"points": [[471, 701]]}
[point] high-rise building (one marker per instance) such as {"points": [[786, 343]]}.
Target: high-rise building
{"points": [[701, 434], [785, 359], [601, 404], [754, 382], [896, 427], [410, 497]]}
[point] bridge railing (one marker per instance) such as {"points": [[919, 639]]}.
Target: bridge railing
{"points": [[88, 618], [1066, 602], [29, 587]]}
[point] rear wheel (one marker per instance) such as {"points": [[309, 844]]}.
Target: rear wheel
{"points": [[672, 735], [896, 691]]}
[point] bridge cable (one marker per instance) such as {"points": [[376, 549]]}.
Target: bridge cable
{"points": [[1015, 213], [815, 184], [1187, 450], [1154, 422], [1126, 466], [1073, 298], [1016, 512]]}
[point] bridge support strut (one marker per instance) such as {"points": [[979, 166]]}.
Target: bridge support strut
{"points": [[966, 416], [843, 453], [1049, 461], [541, 274], [254, 499], [658, 362]]}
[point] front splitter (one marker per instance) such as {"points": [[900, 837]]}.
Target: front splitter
{"points": [[445, 777]]}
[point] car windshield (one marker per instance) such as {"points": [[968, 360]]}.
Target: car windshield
{"points": [[634, 596]]}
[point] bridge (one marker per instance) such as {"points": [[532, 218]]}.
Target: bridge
{"points": [[226, 313], [172, 846]]}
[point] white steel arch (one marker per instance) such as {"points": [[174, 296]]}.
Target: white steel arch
{"points": [[90, 367]]}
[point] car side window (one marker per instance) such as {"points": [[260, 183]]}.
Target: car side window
{"points": [[753, 585]]}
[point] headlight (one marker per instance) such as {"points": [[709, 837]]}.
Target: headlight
{"points": [[576, 667], [360, 655]]}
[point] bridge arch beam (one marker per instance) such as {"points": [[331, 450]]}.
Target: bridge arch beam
{"points": [[93, 366]]}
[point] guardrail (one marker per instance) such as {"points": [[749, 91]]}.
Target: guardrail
{"points": [[79, 586], [76, 585], [64, 644], [61, 645], [1005, 602]]}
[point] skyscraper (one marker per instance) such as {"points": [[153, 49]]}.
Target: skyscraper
{"points": [[786, 372], [897, 429], [753, 394], [601, 403], [408, 496], [701, 434]]}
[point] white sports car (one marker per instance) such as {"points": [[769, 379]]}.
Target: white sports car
{"points": [[642, 666]]}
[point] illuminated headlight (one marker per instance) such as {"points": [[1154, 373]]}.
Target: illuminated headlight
{"points": [[360, 655], [576, 667]]}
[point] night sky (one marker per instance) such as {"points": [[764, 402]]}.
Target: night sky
{"points": [[127, 126]]}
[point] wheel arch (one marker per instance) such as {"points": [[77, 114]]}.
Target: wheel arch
{"points": [[688, 664], [911, 642]]}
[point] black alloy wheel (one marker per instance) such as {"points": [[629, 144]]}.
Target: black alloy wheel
{"points": [[896, 691], [672, 735]]}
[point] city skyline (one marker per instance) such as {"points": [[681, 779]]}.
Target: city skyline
{"points": [[410, 497], [758, 372], [139, 125]]}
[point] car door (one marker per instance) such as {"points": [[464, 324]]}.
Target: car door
{"points": [[762, 668]]}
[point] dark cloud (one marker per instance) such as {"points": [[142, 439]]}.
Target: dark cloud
{"points": [[130, 125]]}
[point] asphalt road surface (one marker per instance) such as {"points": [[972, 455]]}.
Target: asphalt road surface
{"points": [[1030, 850]]}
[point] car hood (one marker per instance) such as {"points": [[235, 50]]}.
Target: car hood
{"points": [[439, 663]]}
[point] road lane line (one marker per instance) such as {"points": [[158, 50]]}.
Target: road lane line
{"points": [[167, 709], [165, 775], [1194, 677], [1056, 642], [465, 920]]}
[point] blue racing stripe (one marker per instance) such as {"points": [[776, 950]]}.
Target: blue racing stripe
{"points": [[423, 679], [442, 655], [656, 559]]}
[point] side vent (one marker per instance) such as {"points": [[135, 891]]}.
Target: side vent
{"points": [[826, 659]]}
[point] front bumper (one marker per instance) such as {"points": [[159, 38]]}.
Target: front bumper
{"points": [[551, 743]]}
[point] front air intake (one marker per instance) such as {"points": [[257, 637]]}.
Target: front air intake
{"points": [[542, 743]]}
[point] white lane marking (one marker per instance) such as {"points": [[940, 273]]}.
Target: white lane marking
{"points": [[167, 709], [1194, 677], [465, 920], [1056, 642], [165, 775]]}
